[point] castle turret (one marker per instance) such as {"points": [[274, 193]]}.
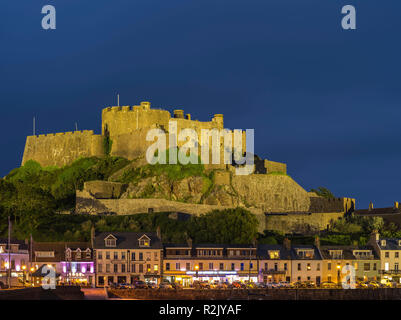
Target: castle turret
{"points": [[218, 118], [145, 105], [179, 114]]}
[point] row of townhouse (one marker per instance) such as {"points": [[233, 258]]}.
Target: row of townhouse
{"points": [[124, 257]]}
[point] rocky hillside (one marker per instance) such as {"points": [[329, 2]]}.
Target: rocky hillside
{"points": [[196, 185]]}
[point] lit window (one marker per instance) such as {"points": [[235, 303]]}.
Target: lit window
{"points": [[274, 254]]}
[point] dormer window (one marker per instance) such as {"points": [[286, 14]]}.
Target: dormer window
{"points": [[88, 253], [274, 254], [305, 254], [110, 241], [144, 241], [78, 254], [336, 254], [383, 243], [68, 253], [399, 243]]}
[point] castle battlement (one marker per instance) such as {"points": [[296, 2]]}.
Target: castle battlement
{"points": [[146, 106], [126, 120], [83, 132]]}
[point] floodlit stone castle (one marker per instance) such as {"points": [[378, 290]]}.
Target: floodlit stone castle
{"points": [[277, 200]]}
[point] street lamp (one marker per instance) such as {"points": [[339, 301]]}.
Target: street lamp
{"points": [[197, 268], [338, 274], [24, 274]]}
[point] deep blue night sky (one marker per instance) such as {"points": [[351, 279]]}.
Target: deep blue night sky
{"points": [[324, 100]]}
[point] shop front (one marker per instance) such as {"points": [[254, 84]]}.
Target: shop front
{"points": [[274, 276], [77, 273], [179, 277], [152, 278], [222, 276]]}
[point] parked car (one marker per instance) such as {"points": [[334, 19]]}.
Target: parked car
{"points": [[304, 284], [139, 284], [238, 285], [222, 285], [360, 284], [328, 285], [176, 285], [123, 286], [261, 285], [201, 285], [385, 283], [284, 284], [152, 285], [375, 284], [310, 284], [165, 285], [251, 285]]}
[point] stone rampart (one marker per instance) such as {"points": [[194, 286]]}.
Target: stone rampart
{"points": [[61, 149]]}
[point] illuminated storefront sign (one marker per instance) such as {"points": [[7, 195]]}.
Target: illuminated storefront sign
{"points": [[212, 273]]}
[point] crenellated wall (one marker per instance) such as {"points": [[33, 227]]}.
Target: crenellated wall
{"points": [[128, 127], [319, 204], [60, 149], [124, 120]]}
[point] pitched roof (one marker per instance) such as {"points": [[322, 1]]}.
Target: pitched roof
{"points": [[295, 256], [391, 244], [58, 248], [22, 244], [263, 251], [127, 240]]}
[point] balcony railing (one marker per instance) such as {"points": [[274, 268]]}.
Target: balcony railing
{"points": [[396, 271], [369, 257], [273, 271]]}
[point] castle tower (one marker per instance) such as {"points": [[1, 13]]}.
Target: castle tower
{"points": [[179, 114], [218, 118], [145, 105]]}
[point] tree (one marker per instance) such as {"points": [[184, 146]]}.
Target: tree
{"points": [[323, 192], [225, 226]]}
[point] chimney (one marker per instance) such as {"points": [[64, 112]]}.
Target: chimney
{"points": [[370, 206], [287, 243], [395, 205], [374, 238], [159, 233], [93, 236], [189, 242], [317, 242]]}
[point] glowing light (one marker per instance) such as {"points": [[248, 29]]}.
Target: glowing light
{"points": [[17, 268], [64, 269], [23, 267]]}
